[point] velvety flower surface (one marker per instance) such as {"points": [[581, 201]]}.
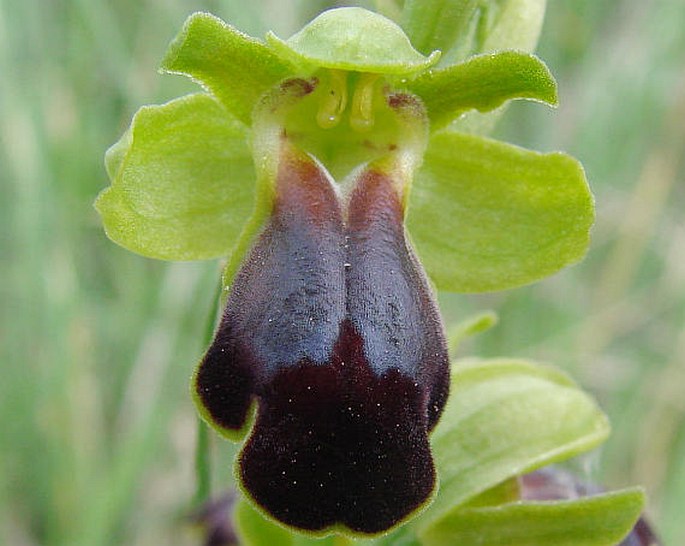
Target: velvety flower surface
{"points": [[297, 164]]}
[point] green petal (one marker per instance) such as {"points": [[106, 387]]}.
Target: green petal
{"points": [[602, 520], [504, 418], [485, 215], [436, 24], [234, 67], [182, 181], [483, 83], [353, 39]]}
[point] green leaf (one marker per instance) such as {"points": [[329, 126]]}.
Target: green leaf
{"points": [[353, 39], [182, 181], [236, 68], [504, 418], [483, 83], [436, 24], [602, 520], [485, 215]]}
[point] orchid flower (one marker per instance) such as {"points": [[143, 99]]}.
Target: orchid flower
{"points": [[341, 174]]}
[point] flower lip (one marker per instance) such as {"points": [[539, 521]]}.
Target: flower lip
{"points": [[330, 332], [353, 39]]}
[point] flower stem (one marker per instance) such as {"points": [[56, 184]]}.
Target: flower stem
{"points": [[203, 465], [203, 460]]}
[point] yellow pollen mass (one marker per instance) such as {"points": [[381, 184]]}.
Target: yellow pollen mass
{"points": [[334, 101], [361, 116]]}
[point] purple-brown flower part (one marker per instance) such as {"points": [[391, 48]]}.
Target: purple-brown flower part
{"points": [[331, 328]]}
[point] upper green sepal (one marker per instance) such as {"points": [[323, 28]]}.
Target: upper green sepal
{"points": [[483, 83], [234, 67], [182, 181], [353, 39]]}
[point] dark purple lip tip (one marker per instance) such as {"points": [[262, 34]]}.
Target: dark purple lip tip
{"points": [[339, 444]]}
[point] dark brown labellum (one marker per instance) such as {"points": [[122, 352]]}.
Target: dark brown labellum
{"points": [[331, 328]]}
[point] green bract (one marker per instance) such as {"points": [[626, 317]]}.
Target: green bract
{"points": [[483, 215]]}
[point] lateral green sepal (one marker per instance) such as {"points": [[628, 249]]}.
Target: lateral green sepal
{"points": [[485, 215], [182, 181]]}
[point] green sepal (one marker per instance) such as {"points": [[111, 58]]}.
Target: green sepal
{"points": [[182, 181], [483, 83], [485, 215], [504, 418], [116, 153], [353, 39], [233, 66], [601, 520]]}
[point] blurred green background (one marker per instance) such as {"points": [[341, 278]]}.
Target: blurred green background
{"points": [[97, 429]]}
